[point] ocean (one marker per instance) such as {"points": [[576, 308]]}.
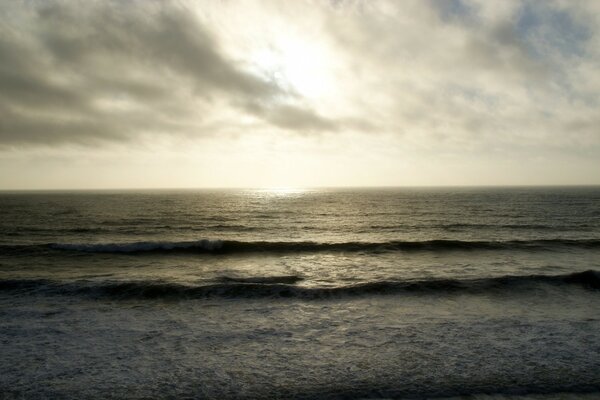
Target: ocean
{"points": [[476, 293]]}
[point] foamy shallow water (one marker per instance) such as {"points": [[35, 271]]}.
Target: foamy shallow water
{"points": [[383, 346], [554, 396]]}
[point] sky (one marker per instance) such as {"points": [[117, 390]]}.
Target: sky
{"points": [[191, 94]]}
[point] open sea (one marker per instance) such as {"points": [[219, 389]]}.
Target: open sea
{"points": [[476, 293]]}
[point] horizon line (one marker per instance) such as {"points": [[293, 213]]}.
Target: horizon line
{"points": [[306, 188]]}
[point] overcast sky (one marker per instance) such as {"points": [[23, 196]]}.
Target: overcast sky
{"points": [[115, 94]]}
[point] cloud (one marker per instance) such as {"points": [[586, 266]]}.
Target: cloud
{"points": [[483, 74], [292, 117], [83, 73], [457, 75]]}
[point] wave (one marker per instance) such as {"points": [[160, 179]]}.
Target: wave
{"points": [[279, 287], [233, 246], [142, 247], [286, 279]]}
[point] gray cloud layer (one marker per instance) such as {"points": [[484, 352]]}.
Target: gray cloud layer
{"points": [[493, 73], [462, 73], [83, 71]]}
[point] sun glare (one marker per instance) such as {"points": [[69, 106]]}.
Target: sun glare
{"points": [[281, 191], [302, 65]]}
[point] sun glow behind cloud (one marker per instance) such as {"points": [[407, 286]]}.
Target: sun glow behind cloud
{"points": [[302, 65]]}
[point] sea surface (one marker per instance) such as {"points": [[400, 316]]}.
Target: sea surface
{"points": [[475, 293]]}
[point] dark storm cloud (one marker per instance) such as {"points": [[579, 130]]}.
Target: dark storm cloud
{"points": [[82, 72]]}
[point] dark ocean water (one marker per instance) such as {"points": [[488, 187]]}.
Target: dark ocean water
{"points": [[396, 293]]}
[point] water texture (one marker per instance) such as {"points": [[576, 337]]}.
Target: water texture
{"points": [[488, 293]]}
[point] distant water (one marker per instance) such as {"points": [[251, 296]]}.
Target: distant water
{"points": [[396, 293]]}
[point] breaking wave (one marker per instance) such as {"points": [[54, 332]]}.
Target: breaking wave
{"points": [[265, 287], [287, 279], [233, 246]]}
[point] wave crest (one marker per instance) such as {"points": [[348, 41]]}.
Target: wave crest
{"points": [[233, 246], [264, 287], [140, 247]]}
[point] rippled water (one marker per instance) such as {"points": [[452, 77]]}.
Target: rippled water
{"points": [[300, 294]]}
